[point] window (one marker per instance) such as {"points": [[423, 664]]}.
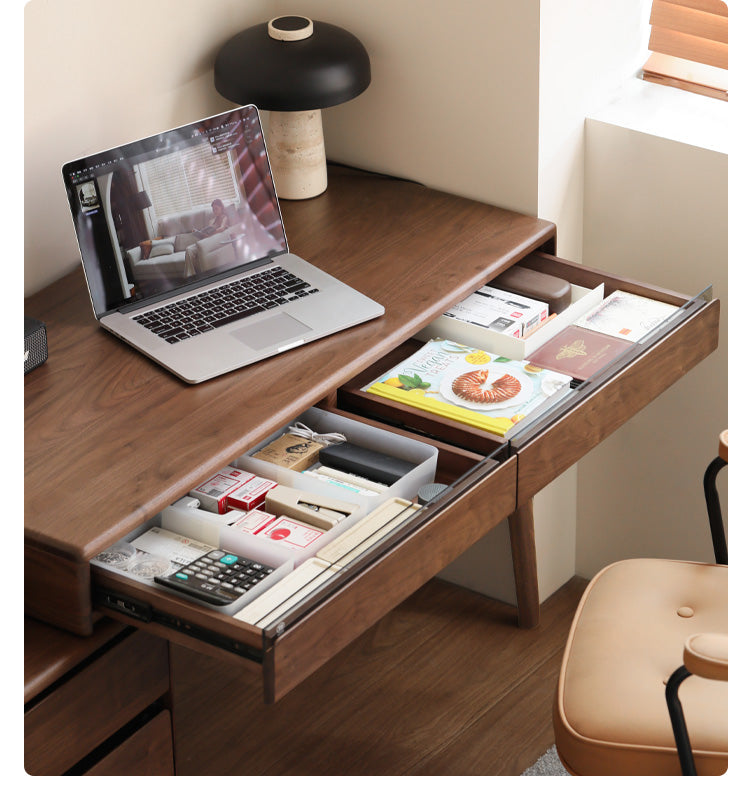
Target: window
{"points": [[689, 46], [188, 180]]}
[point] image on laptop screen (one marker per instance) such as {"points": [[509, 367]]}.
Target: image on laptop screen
{"points": [[163, 213]]}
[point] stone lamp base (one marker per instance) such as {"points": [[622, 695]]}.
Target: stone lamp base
{"points": [[297, 153]]}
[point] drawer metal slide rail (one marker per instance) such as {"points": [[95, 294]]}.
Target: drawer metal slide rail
{"points": [[145, 613]]}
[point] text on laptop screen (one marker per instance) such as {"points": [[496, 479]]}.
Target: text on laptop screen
{"points": [[166, 212]]}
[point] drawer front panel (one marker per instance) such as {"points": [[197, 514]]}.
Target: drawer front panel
{"points": [[314, 639], [250, 642], [147, 752], [603, 409], [83, 712]]}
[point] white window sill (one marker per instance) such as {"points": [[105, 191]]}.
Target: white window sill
{"points": [[669, 113]]}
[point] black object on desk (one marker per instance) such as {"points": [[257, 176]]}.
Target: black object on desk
{"points": [[366, 463], [34, 344]]}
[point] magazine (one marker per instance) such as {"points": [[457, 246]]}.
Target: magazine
{"points": [[475, 387]]}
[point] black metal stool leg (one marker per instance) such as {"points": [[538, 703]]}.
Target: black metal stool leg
{"points": [[713, 506], [676, 715]]}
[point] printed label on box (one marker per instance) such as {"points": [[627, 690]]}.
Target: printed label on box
{"points": [[251, 494], [173, 547], [254, 521], [500, 311], [290, 533], [213, 493]]}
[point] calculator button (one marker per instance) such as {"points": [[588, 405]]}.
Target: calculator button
{"points": [[200, 576], [228, 559], [214, 581], [216, 554], [181, 576]]}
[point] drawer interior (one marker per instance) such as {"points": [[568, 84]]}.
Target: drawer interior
{"points": [[374, 393], [123, 581]]}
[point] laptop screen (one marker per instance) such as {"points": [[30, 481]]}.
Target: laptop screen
{"points": [[172, 210]]}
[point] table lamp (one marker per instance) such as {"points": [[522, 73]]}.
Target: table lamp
{"points": [[293, 67]]}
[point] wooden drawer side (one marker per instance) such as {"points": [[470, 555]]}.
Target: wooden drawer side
{"points": [[309, 643], [608, 407], [57, 590]]}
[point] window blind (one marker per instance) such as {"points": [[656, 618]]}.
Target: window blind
{"points": [[188, 180], [689, 46]]}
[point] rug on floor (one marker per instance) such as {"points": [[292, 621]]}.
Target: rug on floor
{"points": [[548, 764]]}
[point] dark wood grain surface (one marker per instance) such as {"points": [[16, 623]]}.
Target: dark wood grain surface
{"points": [[64, 724], [446, 684], [111, 438], [49, 653]]}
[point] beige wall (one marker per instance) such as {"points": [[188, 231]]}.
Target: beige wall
{"points": [[484, 98], [98, 73], [656, 211], [441, 108]]}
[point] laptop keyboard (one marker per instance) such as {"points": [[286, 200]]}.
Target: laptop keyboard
{"points": [[217, 307]]}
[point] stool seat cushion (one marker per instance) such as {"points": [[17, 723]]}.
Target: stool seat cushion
{"points": [[627, 638]]}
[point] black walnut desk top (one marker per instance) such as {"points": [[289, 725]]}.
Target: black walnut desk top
{"points": [[111, 438]]}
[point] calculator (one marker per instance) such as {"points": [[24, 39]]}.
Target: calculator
{"points": [[218, 577]]}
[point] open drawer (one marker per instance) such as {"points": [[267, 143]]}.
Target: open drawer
{"points": [[346, 586], [560, 432]]}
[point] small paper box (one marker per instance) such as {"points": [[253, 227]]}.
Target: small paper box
{"points": [[254, 521], [213, 494], [251, 494], [290, 451], [290, 534]]}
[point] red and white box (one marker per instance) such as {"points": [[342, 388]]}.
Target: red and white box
{"points": [[254, 521], [290, 534], [251, 494], [213, 494]]}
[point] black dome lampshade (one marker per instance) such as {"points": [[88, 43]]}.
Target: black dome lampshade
{"points": [[293, 67]]}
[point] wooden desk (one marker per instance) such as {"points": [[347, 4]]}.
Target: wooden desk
{"points": [[112, 439], [96, 705]]}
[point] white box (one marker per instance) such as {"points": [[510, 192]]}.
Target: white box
{"points": [[582, 300], [251, 494], [423, 456], [214, 492], [500, 311], [254, 521], [290, 534]]}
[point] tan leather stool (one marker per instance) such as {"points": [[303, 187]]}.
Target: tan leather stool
{"points": [[627, 638], [636, 624]]}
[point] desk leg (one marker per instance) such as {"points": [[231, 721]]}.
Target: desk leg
{"points": [[523, 551]]}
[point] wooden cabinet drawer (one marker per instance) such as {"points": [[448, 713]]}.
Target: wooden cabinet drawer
{"points": [[480, 493], [65, 723], [148, 751]]}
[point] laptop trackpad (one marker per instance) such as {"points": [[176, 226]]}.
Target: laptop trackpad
{"points": [[270, 332]]}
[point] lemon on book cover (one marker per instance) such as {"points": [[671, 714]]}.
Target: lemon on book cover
{"points": [[478, 357]]}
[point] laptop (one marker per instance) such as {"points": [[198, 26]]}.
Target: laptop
{"points": [[185, 254]]}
